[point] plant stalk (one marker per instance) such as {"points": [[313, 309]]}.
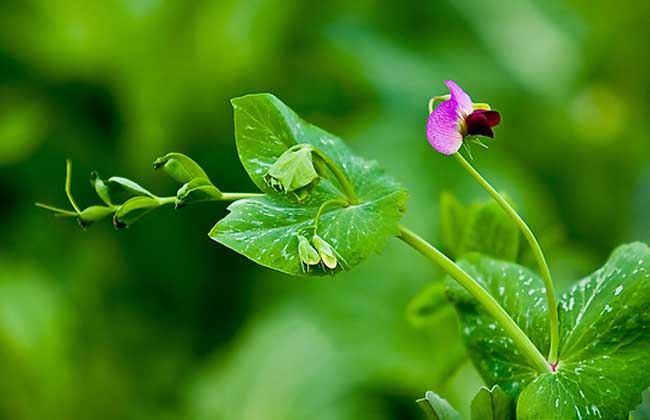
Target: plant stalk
{"points": [[554, 324], [224, 197], [521, 340], [348, 188]]}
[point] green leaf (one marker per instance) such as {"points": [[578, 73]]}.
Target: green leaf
{"points": [[642, 412], [426, 306], [196, 191], [180, 167], [490, 231], [133, 209], [437, 408], [482, 227], [453, 219], [522, 294], [129, 186], [492, 404], [605, 336], [266, 229]]}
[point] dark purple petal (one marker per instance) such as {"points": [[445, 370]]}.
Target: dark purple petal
{"points": [[478, 124], [462, 99], [493, 117], [442, 128]]}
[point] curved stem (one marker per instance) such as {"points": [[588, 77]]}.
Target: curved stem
{"points": [[57, 211], [68, 189], [511, 328], [341, 177], [554, 324], [322, 208], [433, 100]]}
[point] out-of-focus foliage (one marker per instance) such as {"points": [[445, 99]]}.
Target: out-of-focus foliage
{"points": [[159, 322]]}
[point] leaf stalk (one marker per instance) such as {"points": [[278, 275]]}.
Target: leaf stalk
{"points": [[554, 324], [518, 336]]}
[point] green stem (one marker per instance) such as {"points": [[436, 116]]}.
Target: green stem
{"points": [[224, 197], [56, 210], [239, 196], [343, 180], [68, 189], [322, 208], [520, 338], [554, 323]]}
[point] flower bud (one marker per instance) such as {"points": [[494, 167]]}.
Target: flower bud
{"points": [[307, 253], [197, 190], [326, 252], [132, 210], [93, 214], [293, 171], [179, 167], [103, 190]]}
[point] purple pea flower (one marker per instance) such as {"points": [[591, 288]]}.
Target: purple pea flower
{"points": [[455, 118]]}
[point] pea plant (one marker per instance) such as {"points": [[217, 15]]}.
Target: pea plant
{"points": [[321, 210]]}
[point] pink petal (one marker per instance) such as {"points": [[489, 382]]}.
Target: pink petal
{"points": [[462, 99], [442, 127]]}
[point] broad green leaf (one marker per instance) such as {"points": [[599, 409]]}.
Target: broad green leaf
{"points": [[427, 305], [266, 229], [522, 294], [605, 344], [605, 337], [492, 404], [642, 412], [437, 408]]}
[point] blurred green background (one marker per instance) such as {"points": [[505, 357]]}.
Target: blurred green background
{"points": [[158, 322]]}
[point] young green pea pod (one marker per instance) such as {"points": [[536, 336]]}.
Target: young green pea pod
{"points": [[180, 167], [101, 188], [93, 214], [133, 209], [327, 253], [293, 171], [195, 191], [308, 254]]}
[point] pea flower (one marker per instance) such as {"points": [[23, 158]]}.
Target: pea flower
{"points": [[456, 118]]}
